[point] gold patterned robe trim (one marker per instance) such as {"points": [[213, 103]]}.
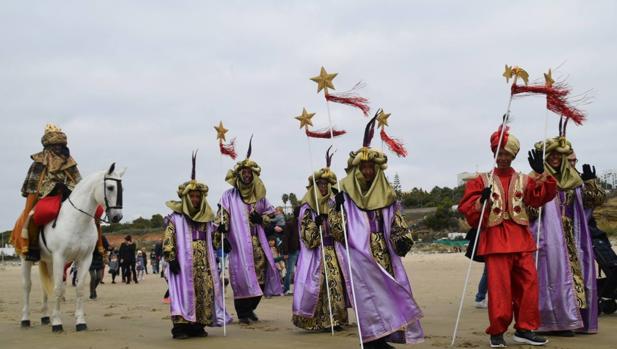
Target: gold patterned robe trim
{"points": [[575, 265], [593, 194], [401, 232], [321, 319], [202, 276], [379, 250]]}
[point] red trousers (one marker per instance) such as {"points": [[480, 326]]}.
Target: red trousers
{"points": [[513, 290]]}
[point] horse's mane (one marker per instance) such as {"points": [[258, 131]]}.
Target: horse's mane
{"points": [[89, 180]]}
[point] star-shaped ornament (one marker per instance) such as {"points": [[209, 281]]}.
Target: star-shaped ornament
{"points": [[548, 79], [324, 80], [382, 119], [305, 118], [521, 73], [220, 131], [507, 73]]}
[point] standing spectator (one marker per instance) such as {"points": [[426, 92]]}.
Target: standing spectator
{"points": [[158, 251], [114, 265], [140, 266], [127, 260], [144, 256], [154, 262], [96, 268], [290, 248]]}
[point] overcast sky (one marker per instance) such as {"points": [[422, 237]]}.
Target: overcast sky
{"points": [[143, 84]]}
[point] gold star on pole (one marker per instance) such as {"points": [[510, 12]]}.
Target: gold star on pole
{"points": [[382, 119], [548, 79], [507, 73], [220, 131], [305, 118], [324, 80], [521, 73]]}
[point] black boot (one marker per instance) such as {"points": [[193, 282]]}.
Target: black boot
{"points": [[33, 255], [197, 330], [180, 331]]}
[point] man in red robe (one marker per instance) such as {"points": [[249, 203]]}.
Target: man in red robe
{"points": [[505, 240]]}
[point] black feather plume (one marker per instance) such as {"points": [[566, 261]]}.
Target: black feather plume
{"points": [[369, 131], [329, 157], [194, 160], [250, 150]]}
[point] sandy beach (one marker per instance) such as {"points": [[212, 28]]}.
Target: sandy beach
{"points": [[133, 316]]}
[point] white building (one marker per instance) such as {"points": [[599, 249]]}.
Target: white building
{"points": [[463, 177], [454, 236], [7, 250], [610, 177]]}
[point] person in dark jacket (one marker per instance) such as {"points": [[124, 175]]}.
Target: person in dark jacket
{"points": [[127, 260], [290, 248], [96, 268]]}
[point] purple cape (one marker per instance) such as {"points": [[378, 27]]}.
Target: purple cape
{"points": [[385, 303], [181, 287], [308, 277], [241, 264], [557, 299]]}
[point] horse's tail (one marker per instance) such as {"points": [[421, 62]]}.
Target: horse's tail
{"points": [[46, 281]]}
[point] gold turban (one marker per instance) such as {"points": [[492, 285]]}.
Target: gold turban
{"points": [[566, 175], [200, 214], [252, 192], [379, 193], [53, 135]]}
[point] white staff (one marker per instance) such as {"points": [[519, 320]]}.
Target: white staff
{"points": [[549, 82], [324, 83], [305, 121], [220, 130], [490, 181]]}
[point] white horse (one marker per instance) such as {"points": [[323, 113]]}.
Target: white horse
{"points": [[73, 237]]}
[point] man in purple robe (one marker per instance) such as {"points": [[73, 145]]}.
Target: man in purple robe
{"points": [[194, 287], [378, 237], [243, 212], [311, 306], [566, 267]]}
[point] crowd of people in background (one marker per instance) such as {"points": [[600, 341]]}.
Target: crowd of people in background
{"points": [[131, 263], [127, 261]]}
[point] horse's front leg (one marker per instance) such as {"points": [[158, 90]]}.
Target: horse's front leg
{"points": [[58, 268], [45, 308], [26, 280], [82, 270]]}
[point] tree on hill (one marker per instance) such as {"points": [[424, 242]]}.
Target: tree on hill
{"points": [[444, 217], [156, 221], [396, 185]]}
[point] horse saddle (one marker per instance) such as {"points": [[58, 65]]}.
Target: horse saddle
{"points": [[47, 209]]}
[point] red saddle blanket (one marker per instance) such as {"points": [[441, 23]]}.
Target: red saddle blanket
{"points": [[47, 209]]}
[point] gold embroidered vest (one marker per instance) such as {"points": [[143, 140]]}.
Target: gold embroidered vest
{"points": [[515, 208]]}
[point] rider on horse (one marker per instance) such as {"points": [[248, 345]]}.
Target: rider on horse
{"points": [[50, 180]]}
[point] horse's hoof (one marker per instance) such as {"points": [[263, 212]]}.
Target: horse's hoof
{"points": [[57, 328], [45, 320], [81, 327], [25, 323]]}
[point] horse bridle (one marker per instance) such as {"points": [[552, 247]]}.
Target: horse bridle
{"points": [[118, 204]]}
